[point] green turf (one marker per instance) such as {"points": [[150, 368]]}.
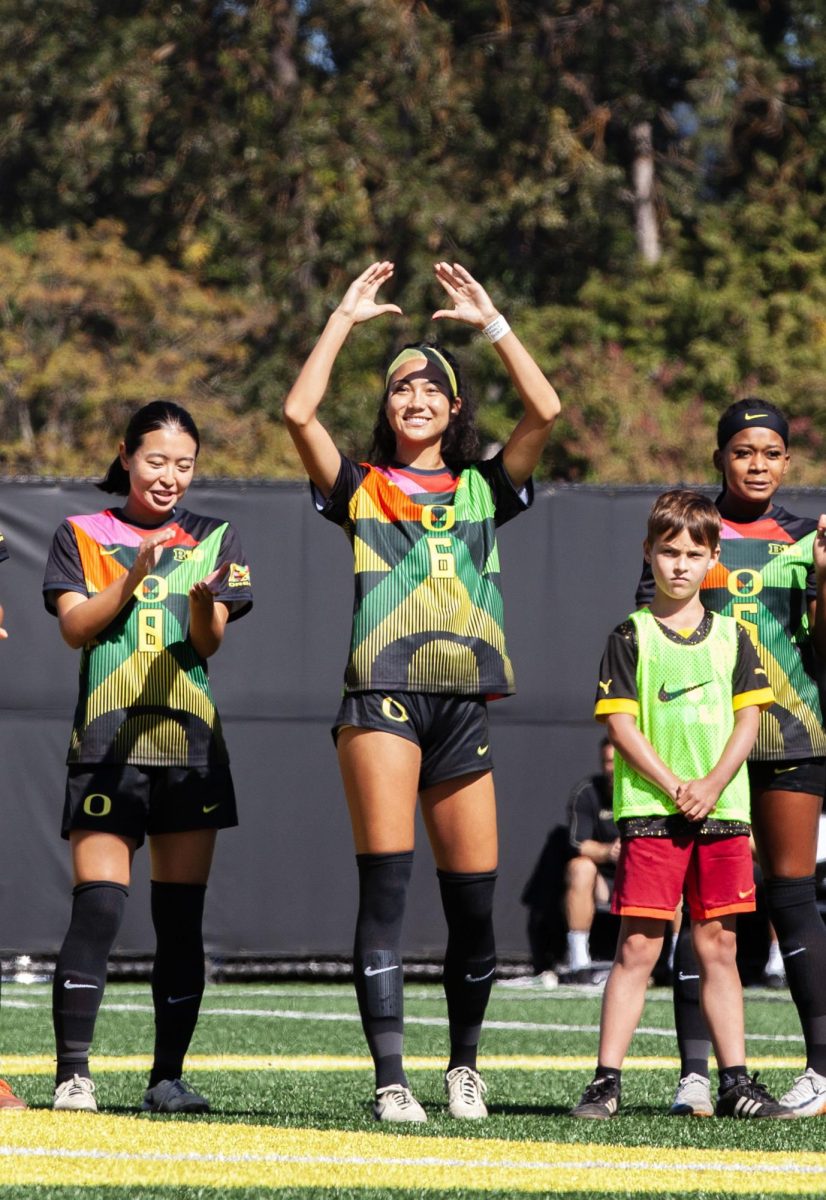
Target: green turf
{"points": [[530, 1105]]}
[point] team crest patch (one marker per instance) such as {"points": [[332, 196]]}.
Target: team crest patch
{"points": [[239, 575]]}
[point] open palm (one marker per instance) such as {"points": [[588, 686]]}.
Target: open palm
{"points": [[471, 303], [359, 301]]}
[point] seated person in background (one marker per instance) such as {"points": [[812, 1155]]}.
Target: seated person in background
{"points": [[589, 875]]}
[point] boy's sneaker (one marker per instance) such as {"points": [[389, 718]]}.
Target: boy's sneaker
{"points": [[397, 1103], [8, 1101], [807, 1095], [465, 1089], [693, 1097], [600, 1100], [75, 1095], [748, 1099], [173, 1096]]}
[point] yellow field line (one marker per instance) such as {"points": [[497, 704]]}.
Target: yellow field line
{"points": [[77, 1150], [35, 1064]]}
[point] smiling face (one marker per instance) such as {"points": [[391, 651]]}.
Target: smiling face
{"points": [[753, 463], [679, 564], [160, 471], [419, 405]]}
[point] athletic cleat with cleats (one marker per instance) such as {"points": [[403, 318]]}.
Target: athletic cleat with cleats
{"points": [[807, 1095], [749, 1099], [397, 1104], [465, 1089], [600, 1100], [8, 1101], [173, 1096], [75, 1095], [693, 1097]]}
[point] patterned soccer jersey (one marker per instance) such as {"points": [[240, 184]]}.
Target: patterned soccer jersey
{"points": [[428, 607], [144, 690], [765, 579]]}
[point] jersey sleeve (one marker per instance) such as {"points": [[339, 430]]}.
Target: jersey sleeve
{"points": [[336, 506], [581, 816], [64, 571], [750, 683], [509, 500], [617, 687], [236, 587]]}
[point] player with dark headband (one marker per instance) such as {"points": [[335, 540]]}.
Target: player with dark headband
{"points": [[772, 578], [427, 651]]}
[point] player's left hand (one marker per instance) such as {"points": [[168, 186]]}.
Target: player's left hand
{"points": [[471, 303], [205, 590], [696, 798], [819, 546]]}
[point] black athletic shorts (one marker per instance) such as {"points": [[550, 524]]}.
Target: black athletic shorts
{"points": [[134, 801], [452, 731], [792, 775]]}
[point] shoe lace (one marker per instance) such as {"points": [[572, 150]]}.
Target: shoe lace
{"points": [[401, 1095], [471, 1085], [597, 1089]]}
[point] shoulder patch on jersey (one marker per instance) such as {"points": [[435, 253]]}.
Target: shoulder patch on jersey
{"points": [[239, 575]]}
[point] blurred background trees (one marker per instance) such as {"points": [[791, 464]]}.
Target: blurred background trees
{"points": [[186, 189]]}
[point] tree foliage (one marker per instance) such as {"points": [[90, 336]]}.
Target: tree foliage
{"points": [[187, 188]]}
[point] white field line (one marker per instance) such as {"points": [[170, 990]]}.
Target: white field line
{"points": [[286, 1014]]}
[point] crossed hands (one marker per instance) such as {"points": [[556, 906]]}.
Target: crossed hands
{"points": [[471, 303], [695, 798]]}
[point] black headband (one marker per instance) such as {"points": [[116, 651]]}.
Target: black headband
{"points": [[749, 415]]}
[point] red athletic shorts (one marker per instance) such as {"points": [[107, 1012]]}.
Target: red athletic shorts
{"points": [[716, 875]]}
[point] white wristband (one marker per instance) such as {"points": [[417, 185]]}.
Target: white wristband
{"points": [[496, 329]]}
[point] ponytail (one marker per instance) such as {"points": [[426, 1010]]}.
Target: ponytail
{"points": [[116, 480]]}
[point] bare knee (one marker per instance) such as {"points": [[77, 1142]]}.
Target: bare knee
{"points": [[581, 875], [715, 943], [638, 950]]}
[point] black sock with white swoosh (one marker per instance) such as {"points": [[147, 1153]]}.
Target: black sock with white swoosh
{"points": [[80, 972], [377, 961], [177, 973], [470, 959], [801, 933]]}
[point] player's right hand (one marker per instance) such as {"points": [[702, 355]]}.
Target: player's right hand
{"points": [[150, 550]]}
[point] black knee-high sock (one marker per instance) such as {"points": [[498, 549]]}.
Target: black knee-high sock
{"points": [[80, 972], [692, 1031], [470, 959], [177, 973], [802, 937], [377, 962]]}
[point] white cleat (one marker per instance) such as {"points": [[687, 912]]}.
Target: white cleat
{"points": [[75, 1095], [465, 1089], [693, 1097], [397, 1104], [807, 1095]]}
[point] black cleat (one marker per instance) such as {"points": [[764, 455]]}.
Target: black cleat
{"points": [[600, 1100], [748, 1099]]}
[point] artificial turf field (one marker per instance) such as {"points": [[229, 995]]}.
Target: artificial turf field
{"points": [[285, 1069]]}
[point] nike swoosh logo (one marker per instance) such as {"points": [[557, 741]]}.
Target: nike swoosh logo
{"points": [[665, 696], [380, 970], [71, 986], [180, 999], [482, 750], [753, 416], [683, 977], [109, 553], [784, 770], [791, 953], [479, 978], [208, 808], [745, 895]]}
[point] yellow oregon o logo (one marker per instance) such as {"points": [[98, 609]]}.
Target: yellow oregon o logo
{"points": [[438, 517], [745, 582], [100, 809], [152, 589], [393, 710]]}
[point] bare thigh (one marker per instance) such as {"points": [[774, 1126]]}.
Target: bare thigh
{"points": [[182, 857], [460, 818], [380, 772], [785, 828], [101, 857]]}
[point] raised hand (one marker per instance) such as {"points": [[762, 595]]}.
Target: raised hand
{"points": [[205, 590], [359, 301], [471, 303], [150, 550]]}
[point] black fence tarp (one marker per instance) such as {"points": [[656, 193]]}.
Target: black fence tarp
{"points": [[284, 882]]}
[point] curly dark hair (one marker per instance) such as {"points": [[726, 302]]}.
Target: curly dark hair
{"points": [[460, 441]]}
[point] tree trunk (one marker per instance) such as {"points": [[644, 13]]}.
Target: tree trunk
{"points": [[642, 174]]}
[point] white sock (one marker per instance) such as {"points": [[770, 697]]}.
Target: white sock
{"points": [[579, 956], [774, 966], [674, 938]]}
